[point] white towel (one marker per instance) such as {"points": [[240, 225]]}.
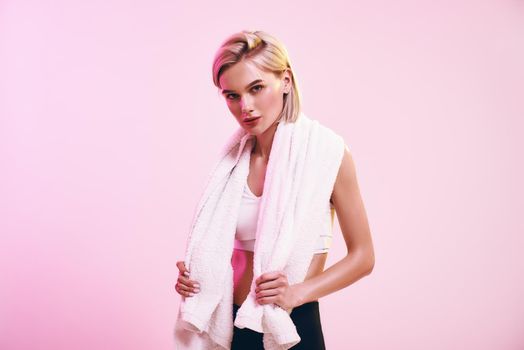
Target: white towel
{"points": [[300, 175]]}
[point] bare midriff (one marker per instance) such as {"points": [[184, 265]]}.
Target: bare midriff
{"points": [[242, 263]]}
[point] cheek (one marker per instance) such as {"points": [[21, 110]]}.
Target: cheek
{"points": [[268, 98], [233, 107]]}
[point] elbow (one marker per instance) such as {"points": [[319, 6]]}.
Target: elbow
{"points": [[369, 262], [370, 265], [365, 258]]}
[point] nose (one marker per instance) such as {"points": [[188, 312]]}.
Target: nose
{"points": [[246, 105]]}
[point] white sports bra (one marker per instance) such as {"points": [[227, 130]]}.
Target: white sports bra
{"points": [[247, 223]]}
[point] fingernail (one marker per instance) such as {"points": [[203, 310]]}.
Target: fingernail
{"points": [[197, 285], [186, 273], [191, 294], [196, 290]]}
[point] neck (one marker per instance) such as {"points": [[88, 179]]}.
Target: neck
{"points": [[264, 142]]}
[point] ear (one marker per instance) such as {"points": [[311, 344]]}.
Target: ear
{"points": [[287, 79]]}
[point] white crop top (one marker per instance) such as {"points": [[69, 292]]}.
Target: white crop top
{"points": [[247, 223]]}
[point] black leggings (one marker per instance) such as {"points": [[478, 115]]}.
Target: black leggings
{"points": [[306, 318]]}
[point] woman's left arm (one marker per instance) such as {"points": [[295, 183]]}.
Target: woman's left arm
{"points": [[354, 225], [272, 287]]}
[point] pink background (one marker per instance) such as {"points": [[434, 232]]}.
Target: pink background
{"points": [[109, 124]]}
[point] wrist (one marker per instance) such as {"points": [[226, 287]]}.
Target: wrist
{"points": [[300, 294]]}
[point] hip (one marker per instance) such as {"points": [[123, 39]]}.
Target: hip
{"points": [[306, 318]]}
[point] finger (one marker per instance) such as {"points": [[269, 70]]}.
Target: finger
{"points": [[267, 276], [180, 265], [267, 300], [189, 283], [182, 268], [184, 288], [184, 291], [268, 285], [195, 288], [268, 293]]}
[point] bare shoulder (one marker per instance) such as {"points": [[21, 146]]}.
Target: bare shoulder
{"points": [[346, 180], [350, 209]]}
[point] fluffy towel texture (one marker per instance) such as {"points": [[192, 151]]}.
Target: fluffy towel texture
{"points": [[300, 175]]}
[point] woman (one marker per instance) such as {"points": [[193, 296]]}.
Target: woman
{"points": [[253, 72]]}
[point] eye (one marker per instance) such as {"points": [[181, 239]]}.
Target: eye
{"points": [[258, 86], [255, 88]]}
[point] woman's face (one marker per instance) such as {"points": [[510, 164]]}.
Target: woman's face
{"points": [[251, 92]]}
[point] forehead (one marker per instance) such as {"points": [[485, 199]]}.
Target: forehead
{"points": [[239, 75]]}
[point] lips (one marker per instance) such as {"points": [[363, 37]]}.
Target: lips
{"points": [[250, 119]]}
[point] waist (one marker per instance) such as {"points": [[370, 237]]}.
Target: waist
{"points": [[247, 245], [306, 306]]}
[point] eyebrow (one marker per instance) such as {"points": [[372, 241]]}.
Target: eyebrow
{"points": [[247, 86]]}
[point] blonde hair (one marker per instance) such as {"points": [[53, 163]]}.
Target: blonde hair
{"points": [[267, 53]]}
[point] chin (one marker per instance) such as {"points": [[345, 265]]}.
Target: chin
{"points": [[259, 130]]}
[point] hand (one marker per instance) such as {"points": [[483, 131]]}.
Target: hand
{"points": [[273, 287], [184, 286]]}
